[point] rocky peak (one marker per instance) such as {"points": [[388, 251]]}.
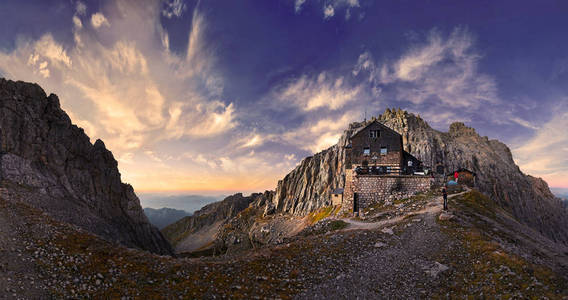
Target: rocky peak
{"points": [[308, 186], [459, 128], [49, 163]]}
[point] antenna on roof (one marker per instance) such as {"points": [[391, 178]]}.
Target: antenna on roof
{"points": [[365, 120]]}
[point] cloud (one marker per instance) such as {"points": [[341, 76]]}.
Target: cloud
{"points": [[98, 20], [441, 70], [51, 50], [81, 8], [328, 11], [252, 141], [524, 123], [546, 153], [316, 92], [77, 22], [330, 8], [318, 134], [298, 5], [173, 8], [131, 91]]}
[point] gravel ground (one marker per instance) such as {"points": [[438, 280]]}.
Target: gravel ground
{"points": [[417, 256], [403, 264], [19, 276]]}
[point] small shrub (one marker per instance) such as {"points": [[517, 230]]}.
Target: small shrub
{"points": [[337, 225]]}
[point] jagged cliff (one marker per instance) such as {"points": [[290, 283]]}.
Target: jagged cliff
{"points": [[308, 186], [49, 163]]}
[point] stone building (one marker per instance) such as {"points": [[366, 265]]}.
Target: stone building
{"points": [[377, 169], [379, 149], [337, 196]]}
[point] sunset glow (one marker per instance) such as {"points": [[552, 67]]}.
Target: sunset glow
{"points": [[190, 96]]}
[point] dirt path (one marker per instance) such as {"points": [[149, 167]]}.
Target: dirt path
{"points": [[435, 205], [402, 261]]}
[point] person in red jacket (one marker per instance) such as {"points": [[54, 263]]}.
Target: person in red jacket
{"points": [[456, 176]]}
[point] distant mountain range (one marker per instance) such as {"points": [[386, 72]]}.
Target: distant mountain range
{"points": [[188, 203], [163, 210], [562, 194], [164, 216]]}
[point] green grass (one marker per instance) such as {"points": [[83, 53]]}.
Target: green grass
{"points": [[320, 214], [337, 225], [482, 265]]}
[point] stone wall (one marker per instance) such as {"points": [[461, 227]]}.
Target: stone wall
{"points": [[373, 189], [347, 205]]}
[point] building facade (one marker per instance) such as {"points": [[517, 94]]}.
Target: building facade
{"points": [[378, 169]]}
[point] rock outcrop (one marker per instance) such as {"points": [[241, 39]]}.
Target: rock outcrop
{"points": [[308, 186], [529, 199], [49, 163]]}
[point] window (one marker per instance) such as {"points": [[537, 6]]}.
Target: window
{"points": [[383, 150], [366, 151], [374, 134]]}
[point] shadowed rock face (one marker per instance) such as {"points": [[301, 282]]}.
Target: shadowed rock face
{"points": [[529, 199], [48, 162]]}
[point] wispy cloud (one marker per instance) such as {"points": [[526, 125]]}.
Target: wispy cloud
{"points": [[316, 92], [318, 134], [129, 90], [98, 20], [298, 5], [441, 70], [546, 153], [328, 11], [330, 8], [81, 8], [173, 8]]}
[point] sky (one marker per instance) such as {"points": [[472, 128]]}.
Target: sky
{"points": [[210, 97]]}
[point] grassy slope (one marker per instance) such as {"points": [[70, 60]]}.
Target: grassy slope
{"points": [[483, 266], [480, 265]]}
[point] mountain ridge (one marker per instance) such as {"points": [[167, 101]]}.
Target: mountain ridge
{"points": [[49, 163]]}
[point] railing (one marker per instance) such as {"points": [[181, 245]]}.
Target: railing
{"points": [[384, 170]]}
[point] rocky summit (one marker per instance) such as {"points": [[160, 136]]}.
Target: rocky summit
{"points": [[308, 187], [50, 164]]}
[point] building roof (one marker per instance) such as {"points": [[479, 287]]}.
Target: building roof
{"points": [[338, 191], [356, 132]]}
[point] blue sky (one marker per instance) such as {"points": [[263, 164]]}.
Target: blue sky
{"points": [[217, 96]]}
